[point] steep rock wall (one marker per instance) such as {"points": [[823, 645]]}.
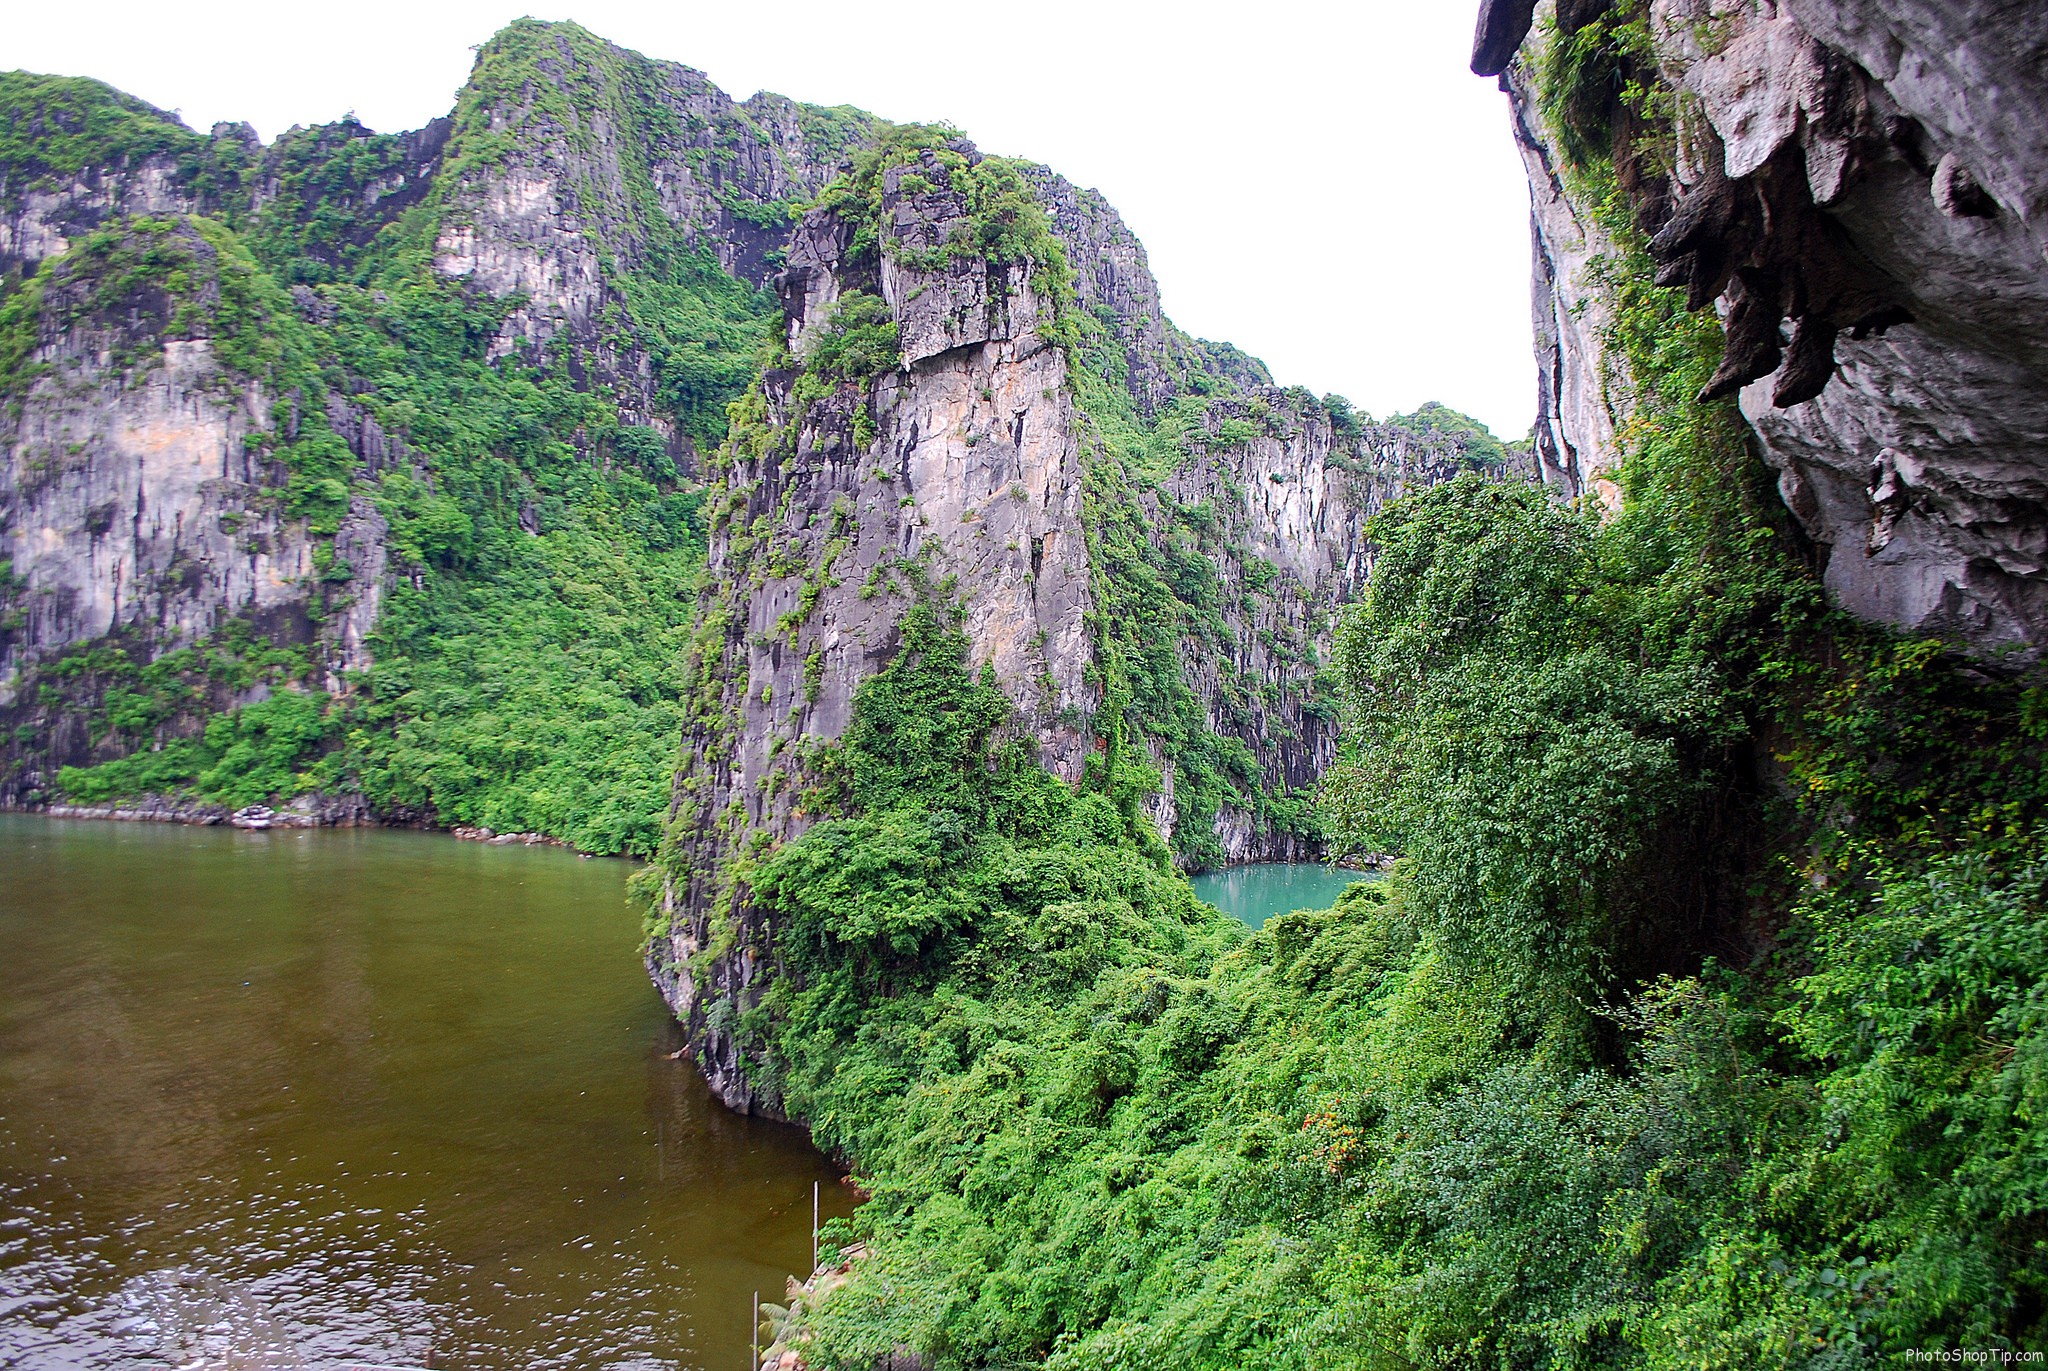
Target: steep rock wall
{"points": [[606, 198], [582, 170], [136, 501], [837, 511], [966, 472], [39, 220], [1283, 523], [1857, 188], [140, 499]]}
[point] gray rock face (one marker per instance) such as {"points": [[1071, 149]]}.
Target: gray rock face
{"points": [[965, 466], [139, 503], [972, 473], [135, 501], [615, 163], [1581, 393], [1290, 508], [1874, 174], [39, 221]]}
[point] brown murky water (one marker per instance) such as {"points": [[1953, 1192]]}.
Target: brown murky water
{"points": [[401, 1093]]}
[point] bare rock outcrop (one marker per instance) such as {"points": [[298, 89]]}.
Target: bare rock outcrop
{"points": [[134, 495], [1858, 189], [966, 471], [960, 464], [1289, 506], [583, 169]]}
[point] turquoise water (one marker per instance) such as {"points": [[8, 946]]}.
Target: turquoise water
{"points": [[1257, 892]]}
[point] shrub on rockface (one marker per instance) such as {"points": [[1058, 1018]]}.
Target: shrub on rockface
{"points": [[1515, 751], [1700, 1026], [1104, 1129]]}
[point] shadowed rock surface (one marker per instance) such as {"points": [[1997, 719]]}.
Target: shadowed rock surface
{"points": [[1858, 191]]}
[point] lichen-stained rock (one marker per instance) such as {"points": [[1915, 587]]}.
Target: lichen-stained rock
{"points": [[1859, 190], [359, 546], [39, 221], [133, 494], [1289, 507], [1582, 394], [957, 467], [137, 501]]}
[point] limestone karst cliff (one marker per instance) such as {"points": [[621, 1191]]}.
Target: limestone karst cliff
{"points": [[426, 436], [1849, 186], [467, 472], [487, 473], [251, 389], [1146, 553]]}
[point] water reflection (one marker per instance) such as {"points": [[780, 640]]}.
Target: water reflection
{"points": [[410, 1094]]}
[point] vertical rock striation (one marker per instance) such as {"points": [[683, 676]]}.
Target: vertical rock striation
{"points": [[972, 465], [147, 498], [971, 400], [590, 177]]}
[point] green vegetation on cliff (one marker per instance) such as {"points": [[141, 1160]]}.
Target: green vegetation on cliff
{"points": [[59, 126], [525, 658], [524, 673], [543, 541], [1705, 1022], [1635, 1062], [1632, 1063]]}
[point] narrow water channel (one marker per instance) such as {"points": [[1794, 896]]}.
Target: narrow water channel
{"points": [[411, 1094]]}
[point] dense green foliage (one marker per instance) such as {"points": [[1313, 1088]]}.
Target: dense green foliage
{"points": [[312, 227], [997, 218], [859, 342], [1451, 1121], [525, 667], [1104, 1129], [1512, 738], [244, 756], [545, 549], [58, 126], [1477, 447], [278, 745], [525, 674], [1705, 1023], [145, 279]]}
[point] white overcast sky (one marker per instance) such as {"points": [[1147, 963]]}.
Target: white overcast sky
{"points": [[1323, 184]]}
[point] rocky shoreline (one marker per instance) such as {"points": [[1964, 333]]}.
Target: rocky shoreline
{"points": [[307, 811]]}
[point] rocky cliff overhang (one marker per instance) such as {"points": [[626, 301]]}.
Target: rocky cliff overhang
{"points": [[1859, 191]]}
